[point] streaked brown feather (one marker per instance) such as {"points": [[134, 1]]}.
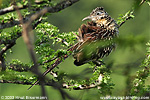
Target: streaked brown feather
{"points": [[89, 35]]}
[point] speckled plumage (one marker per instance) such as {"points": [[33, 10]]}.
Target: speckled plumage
{"points": [[91, 45]]}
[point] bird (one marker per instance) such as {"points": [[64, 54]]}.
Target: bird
{"points": [[95, 39], [102, 28]]}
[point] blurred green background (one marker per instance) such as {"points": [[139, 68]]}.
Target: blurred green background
{"points": [[124, 61]]}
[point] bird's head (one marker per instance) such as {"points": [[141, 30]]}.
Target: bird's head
{"points": [[97, 14]]}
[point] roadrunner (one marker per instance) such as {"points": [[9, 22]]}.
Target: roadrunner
{"points": [[102, 29]]}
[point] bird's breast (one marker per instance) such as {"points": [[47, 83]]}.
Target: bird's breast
{"points": [[101, 22]]}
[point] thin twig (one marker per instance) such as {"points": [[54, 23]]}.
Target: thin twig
{"points": [[2, 60], [58, 61], [129, 17], [142, 2], [124, 21], [26, 29], [43, 88], [36, 23]]}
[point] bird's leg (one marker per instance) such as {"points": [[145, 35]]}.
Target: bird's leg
{"points": [[98, 63]]}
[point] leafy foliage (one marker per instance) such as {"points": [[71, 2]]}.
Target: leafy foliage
{"points": [[139, 87], [48, 36], [126, 16], [7, 37]]}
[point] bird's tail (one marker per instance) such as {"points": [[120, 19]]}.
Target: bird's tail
{"points": [[57, 62]]}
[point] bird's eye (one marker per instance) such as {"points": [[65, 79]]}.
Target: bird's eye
{"points": [[98, 13]]}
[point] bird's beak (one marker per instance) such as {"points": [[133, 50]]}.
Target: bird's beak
{"points": [[88, 17]]}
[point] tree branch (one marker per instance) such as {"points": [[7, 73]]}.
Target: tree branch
{"points": [[16, 82], [8, 46], [128, 18], [53, 84], [18, 68], [2, 61], [25, 34], [11, 9], [142, 2], [60, 6], [57, 62], [10, 24], [129, 15], [64, 85]]}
